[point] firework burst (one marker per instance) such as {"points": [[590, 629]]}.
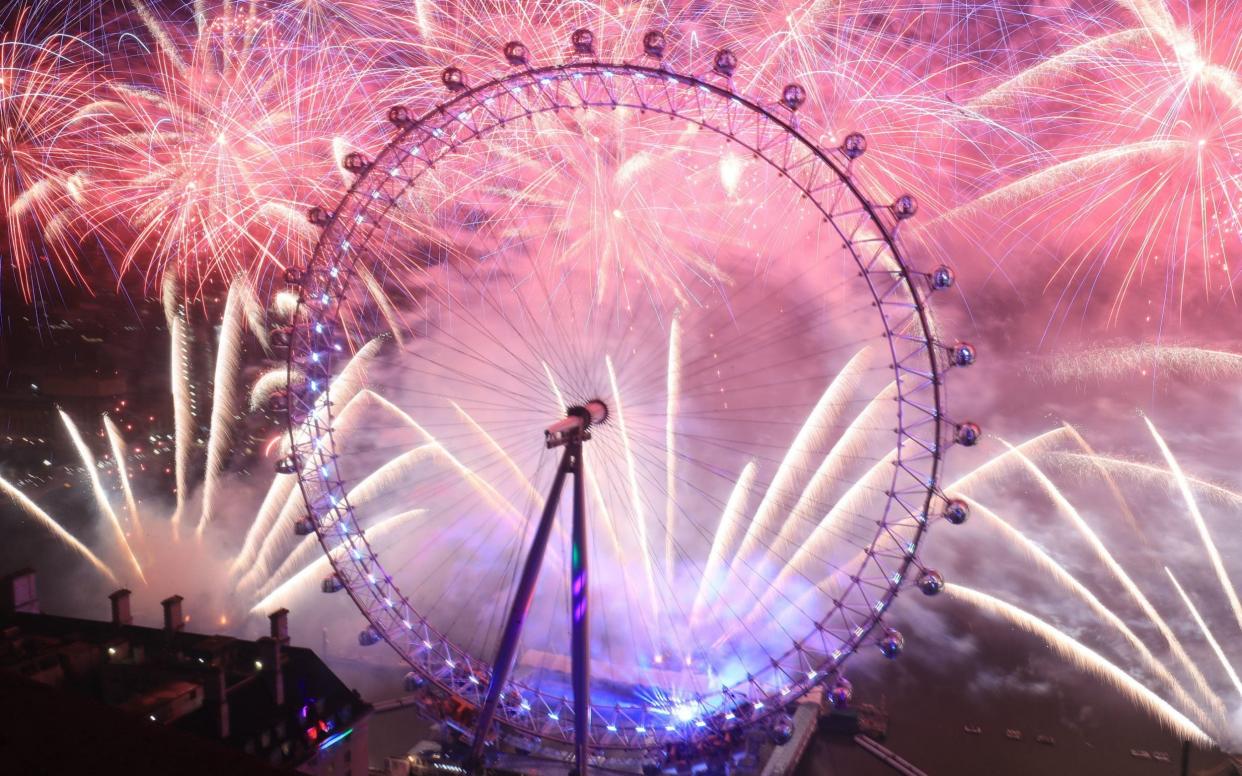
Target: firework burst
{"points": [[48, 125], [226, 134]]}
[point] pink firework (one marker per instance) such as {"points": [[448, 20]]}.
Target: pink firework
{"points": [[1115, 164], [46, 132], [226, 135]]}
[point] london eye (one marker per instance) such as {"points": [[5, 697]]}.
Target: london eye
{"points": [[655, 408]]}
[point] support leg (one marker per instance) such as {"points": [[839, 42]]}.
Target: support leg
{"points": [[581, 643], [521, 605]]}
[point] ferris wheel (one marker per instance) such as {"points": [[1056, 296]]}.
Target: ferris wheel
{"points": [[615, 406]]}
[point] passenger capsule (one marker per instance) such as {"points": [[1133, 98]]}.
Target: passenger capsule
{"points": [[942, 277], [956, 511], [414, 682], [516, 52], [892, 643], [583, 41], [962, 353], [905, 207], [855, 145], [399, 117], [968, 434], [931, 582], [319, 216], [357, 163], [653, 44], [726, 63], [793, 96], [841, 694], [453, 79], [782, 730]]}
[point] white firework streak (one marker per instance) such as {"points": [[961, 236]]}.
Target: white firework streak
{"points": [[285, 305], [1100, 363], [382, 302], [1120, 574], [223, 401], [851, 501], [117, 445], [101, 497], [1207, 633], [640, 517], [263, 536], [48, 522], [796, 459], [556, 392], [278, 494], [1218, 565], [1067, 580], [322, 565], [183, 416], [256, 316], [673, 393], [500, 451], [309, 547], [481, 485], [828, 472], [1145, 472], [1049, 69], [994, 465], [275, 534], [270, 383], [1080, 655], [722, 541]]}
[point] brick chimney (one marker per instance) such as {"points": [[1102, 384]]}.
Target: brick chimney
{"points": [[173, 621], [20, 593], [280, 625], [120, 607], [270, 649]]}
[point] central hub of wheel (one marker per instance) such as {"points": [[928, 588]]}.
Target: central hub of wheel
{"points": [[574, 426]]}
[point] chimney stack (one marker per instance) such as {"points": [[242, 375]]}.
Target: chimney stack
{"points": [[120, 607], [270, 649], [216, 694], [20, 593], [280, 625], [173, 621]]}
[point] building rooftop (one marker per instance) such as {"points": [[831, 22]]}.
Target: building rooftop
{"points": [[278, 704]]}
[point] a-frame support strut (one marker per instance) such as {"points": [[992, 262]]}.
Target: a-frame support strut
{"points": [[570, 434]]}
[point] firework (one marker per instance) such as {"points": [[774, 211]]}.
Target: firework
{"points": [[1115, 163], [1084, 657], [1209, 546], [149, 540], [48, 129], [1119, 363], [225, 137], [1200, 699], [212, 136], [33, 509], [224, 400], [101, 495]]}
